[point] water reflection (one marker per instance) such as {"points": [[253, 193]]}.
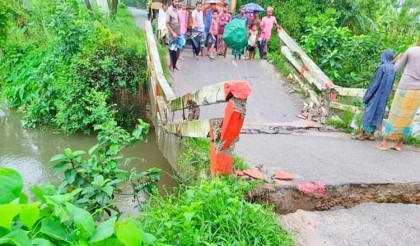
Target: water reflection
{"points": [[29, 151]]}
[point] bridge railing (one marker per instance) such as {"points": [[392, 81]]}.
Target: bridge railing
{"points": [[223, 132], [316, 77]]}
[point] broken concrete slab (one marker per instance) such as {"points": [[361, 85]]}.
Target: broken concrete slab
{"points": [[254, 173], [283, 176]]}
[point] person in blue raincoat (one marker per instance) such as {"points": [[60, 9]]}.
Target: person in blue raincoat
{"points": [[376, 97]]}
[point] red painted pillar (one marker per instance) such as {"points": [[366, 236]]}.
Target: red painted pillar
{"points": [[224, 134]]}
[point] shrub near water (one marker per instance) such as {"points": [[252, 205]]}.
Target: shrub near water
{"points": [[212, 213], [64, 65]]}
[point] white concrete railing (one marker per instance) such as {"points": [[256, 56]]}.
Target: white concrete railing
{"points": [[316, 77]]}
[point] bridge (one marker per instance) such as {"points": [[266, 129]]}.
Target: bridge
{"points": [[245, 107]]}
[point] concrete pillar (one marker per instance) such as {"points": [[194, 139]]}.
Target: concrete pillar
{"points": [[223, 135]]}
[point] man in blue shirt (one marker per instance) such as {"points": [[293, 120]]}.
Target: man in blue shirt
{"points": [[209, 16]]}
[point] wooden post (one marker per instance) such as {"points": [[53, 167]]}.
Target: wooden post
{"points": [[223, 135]]}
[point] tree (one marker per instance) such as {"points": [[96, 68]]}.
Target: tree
{"points": [[114, 7], [88, 5]]}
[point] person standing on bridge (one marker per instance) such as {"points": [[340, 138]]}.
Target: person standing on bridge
{"points": [[209, 18], [224, 18], [376, 97], [406, 100], [237, 53], [198, 26], [174, 28], [183, 19], [214, 32], [267, 23], [161, 26]]}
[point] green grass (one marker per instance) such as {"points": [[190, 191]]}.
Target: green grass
{"points": [[413, 140], [279, 62], [194, 161], [345, 122], [212, 213]]}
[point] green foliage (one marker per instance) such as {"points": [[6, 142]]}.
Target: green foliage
{"points": [[413, 140], [63, 66], [54, 220], [332, 48], [11, 184], [212, 213], [345, 37], [194, 161], [98, 176]]}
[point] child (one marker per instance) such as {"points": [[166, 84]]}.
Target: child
{"points": [[267, 24], [214, 32], [252, 41]]}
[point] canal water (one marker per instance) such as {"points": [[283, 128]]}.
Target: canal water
{"points": [[29, 151]]}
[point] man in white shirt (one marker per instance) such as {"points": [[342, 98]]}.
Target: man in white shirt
{"points": [[198, 23], [198, 17], [162, 29]]}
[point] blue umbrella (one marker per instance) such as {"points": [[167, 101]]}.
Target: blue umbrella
{"points": [[253, 8]]}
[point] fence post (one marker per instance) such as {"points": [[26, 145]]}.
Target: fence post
{"points": [[224, 134]]}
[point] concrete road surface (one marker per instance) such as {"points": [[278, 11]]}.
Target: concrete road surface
{"points": [[364, 225], [329, 157]]}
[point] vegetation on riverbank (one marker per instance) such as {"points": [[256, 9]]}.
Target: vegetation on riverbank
{"points": [[214, 212], [345, 37], [81, 210], [194, 161], [63, 65]]}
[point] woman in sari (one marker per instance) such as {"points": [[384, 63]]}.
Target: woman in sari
{"points": [[406, 100], [224, 18]]}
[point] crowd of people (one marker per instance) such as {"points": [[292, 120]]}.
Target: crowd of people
{"points": [[206, 34], [207, 29]]}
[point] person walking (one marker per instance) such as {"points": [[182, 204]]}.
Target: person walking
{"points": [[183, 21], [406, 100], [376, 97], [174, 28], [224, 18], [198, 29], [237, 53], [267, 23]]}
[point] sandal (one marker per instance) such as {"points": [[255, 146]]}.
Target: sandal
{"points": [[357, 137]]}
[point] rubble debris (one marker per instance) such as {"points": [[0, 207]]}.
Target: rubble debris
{"points": [[283, 176]]}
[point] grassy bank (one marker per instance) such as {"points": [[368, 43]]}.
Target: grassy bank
{"points": [[213, 212], [65, 66]]}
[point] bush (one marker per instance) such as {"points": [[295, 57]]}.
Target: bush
{"points": [[212, 213], [69, 78], [346, 37]]}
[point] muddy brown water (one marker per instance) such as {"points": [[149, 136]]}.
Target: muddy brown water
{"points": [[29, 151]]}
